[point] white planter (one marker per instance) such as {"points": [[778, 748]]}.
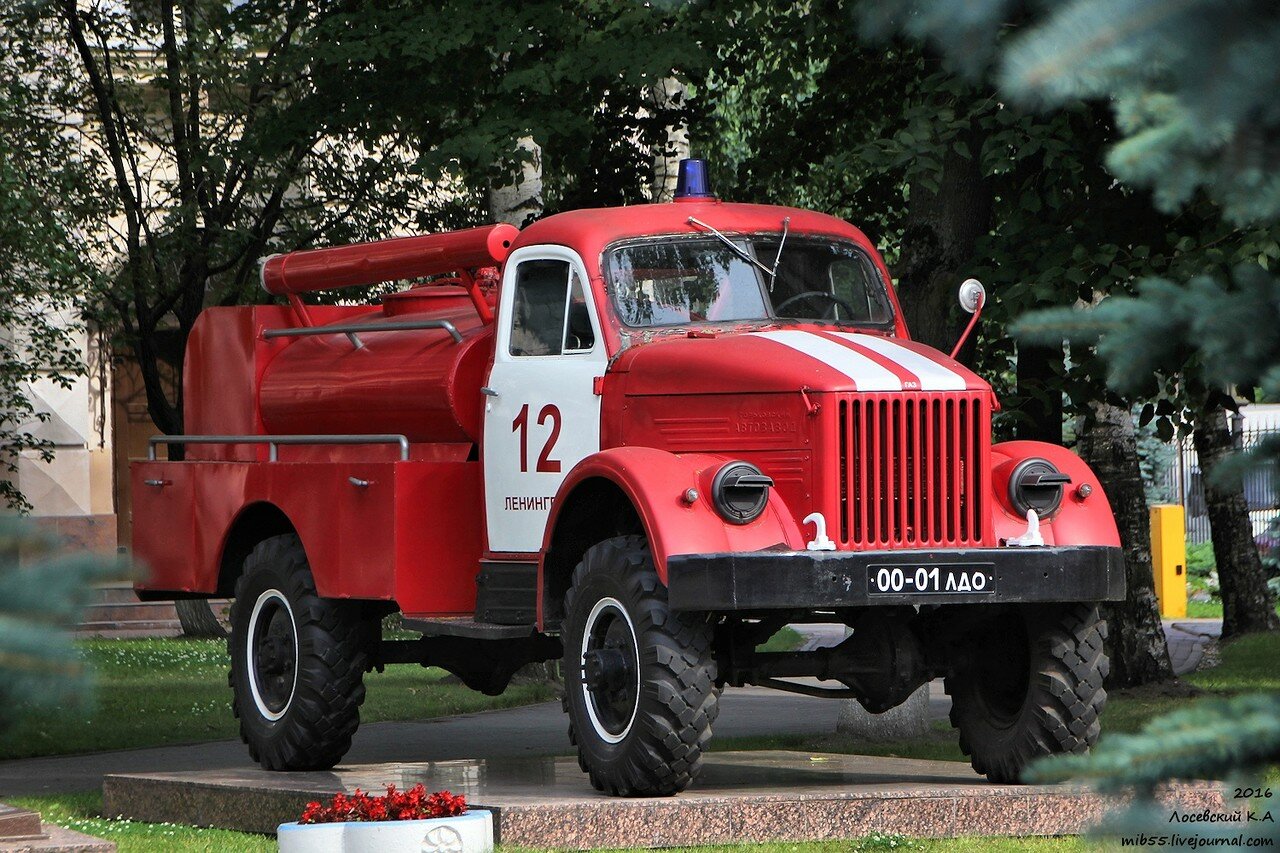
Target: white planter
{"points": [[467, 833]]}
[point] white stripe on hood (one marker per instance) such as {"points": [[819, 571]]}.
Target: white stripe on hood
{"points": [[865, 373], [933, 376]]}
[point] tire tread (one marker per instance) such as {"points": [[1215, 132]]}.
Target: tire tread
{"points": [[678, 701]]}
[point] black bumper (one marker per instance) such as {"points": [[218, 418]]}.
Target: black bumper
{"points": [[822, 580]]}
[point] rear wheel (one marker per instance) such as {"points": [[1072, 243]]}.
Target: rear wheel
{"points": [[1028, 683], [297, 662], [639, 679]]}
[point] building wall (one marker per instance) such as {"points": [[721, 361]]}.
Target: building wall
{"points": [[73, 494]]}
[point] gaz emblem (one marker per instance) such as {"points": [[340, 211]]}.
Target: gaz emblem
{"points": [[442, 839]]}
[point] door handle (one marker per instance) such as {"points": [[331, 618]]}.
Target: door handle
{"points": [[488, 392]]}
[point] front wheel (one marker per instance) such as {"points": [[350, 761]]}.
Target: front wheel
{"points": [[639, 679], [297, 662], [1028, 683]]}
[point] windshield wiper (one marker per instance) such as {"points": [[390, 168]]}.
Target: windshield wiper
{"points": [[747, 256]]}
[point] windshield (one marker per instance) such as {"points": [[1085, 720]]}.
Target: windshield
{"points": [[680, 280]]}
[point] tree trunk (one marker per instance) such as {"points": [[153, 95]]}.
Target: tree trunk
{"points": [[520, 202], [940, 232], [1136, 642], [1247, 604], [668, 94]]}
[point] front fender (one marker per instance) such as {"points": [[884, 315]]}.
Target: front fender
{"points": [[1087, 521], [655, 482]]}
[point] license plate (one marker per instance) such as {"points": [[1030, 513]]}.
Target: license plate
{"points": [[932, 579]]}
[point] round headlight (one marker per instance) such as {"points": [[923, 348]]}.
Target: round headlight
{"points": [[1036, 484], [740, 492]]}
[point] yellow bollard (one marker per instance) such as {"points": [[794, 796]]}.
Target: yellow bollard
{"points": [[1169, 559]]}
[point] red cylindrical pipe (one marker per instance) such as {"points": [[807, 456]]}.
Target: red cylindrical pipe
{"points": [[387, 260]]}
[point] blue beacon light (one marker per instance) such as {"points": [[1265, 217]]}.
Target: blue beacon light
{"points": [[691, 181]]}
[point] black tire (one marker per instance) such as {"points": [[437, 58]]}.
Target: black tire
{"points": [[1027, 684], [297, 662], [647, 736]]}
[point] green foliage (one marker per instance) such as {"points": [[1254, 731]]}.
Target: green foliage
{"points": [[1199, 325], [45, 200], [1152, 60], [1200, 559], [40, 602], [575, 77], [1156, 456]]}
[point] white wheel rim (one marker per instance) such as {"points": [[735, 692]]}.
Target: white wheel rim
{"points": [[587, 699], [251, 664]]}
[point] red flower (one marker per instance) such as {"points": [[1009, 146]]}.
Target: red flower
{"points": [[414, 804]]}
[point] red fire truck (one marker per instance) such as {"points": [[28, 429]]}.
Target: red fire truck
{"points": [[640, 440]]}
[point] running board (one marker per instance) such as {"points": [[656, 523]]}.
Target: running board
{"points": [[466, 627]]}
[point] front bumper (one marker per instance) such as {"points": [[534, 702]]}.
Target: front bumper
{"points": [[822, 580]]}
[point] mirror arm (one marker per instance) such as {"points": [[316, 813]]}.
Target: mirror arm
{"points": [[973, 321]]}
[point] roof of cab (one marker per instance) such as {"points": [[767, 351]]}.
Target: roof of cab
{"points": [[591, 230]]}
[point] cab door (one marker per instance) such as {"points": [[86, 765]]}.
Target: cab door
{"points": [[542, 415]]}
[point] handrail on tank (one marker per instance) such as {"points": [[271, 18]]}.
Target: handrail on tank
{"points": [[274, 441], [354, 330]]}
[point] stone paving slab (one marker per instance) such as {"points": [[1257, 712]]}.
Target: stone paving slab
{"points": [[55, 839], [740, 797]]}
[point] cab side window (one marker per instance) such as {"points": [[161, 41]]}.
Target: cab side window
{"points": [[549, 312]]}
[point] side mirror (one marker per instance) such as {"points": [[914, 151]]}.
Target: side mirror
{"points": [[973, 296]]}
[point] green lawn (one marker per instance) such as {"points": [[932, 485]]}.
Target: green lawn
{"points": [[167, 691], [83, 813], [1211, 609]]}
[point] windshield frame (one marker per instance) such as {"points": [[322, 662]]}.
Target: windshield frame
{"points": [[793, 240]]}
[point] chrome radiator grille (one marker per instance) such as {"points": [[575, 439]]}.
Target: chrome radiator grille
{"points": [[914, 469]]}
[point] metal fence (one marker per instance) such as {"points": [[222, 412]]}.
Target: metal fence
{"points": [[1184, 481]]}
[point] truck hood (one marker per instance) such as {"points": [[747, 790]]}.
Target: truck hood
{"points": [[786, 360]]}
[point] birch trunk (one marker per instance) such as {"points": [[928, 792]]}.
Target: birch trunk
{"points": [[520, 202], [669, 94]]}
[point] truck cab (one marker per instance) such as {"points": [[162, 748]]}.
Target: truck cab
{"points": [[638, 440]]}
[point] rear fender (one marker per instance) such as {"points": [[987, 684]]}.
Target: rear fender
{"points": [[656, 483], [1080, 521]]}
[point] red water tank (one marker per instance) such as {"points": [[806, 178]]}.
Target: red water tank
{"points": [[418, 383]]}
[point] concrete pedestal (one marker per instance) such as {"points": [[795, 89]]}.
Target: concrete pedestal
{"points": [[740, 797]]}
